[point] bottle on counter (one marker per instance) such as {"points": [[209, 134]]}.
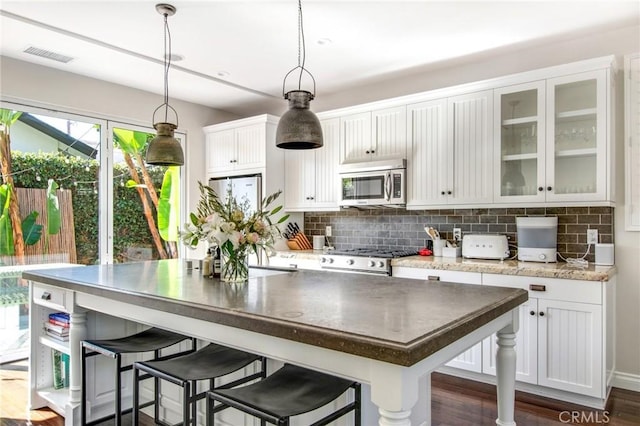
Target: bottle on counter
{"points": [[207, 263], [217, 264]]}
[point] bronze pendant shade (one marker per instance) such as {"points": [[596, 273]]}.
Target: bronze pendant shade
{"points": [[299, 128], [164, 149]]}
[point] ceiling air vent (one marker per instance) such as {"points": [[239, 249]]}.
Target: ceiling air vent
{"points": [[48, 54]]}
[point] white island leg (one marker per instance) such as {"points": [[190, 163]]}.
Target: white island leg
{"points": [[77, 333], [506, 373]]}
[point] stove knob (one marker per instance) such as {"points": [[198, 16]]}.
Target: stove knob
{"points": [[350, 262], [372, 263], [330, 260], [542, 256], [381, 264], [323, 260]]}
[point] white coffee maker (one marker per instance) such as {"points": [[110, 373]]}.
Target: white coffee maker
{"points": [[537, 238]]}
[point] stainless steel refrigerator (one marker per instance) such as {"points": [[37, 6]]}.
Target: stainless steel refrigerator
{"points": [[242, 187]]}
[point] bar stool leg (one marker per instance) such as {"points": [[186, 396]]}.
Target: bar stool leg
{"points": [[136, 398], [358, 400], [118, 418], [186, 394]]}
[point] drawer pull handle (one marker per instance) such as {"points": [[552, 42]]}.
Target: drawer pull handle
{"points": [[537, 287], [46, 296], [433, 278]]}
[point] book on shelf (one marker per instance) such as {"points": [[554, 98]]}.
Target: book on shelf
{"points": [[60, 365], [56, 329], [60, 316], [58, 322], [57, 337]]}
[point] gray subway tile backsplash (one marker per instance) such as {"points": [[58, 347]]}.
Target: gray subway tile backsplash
{"points": [[404, 229]]}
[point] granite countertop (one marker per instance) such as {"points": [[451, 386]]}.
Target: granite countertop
{"points": [[400, 321], [506, 267]]}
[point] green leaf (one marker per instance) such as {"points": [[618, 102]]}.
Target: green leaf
{"points": [[8, 116], [283, 218], [31, 231], [276, 210], [6, 230], [129, 141], [53, 209], [169, 205]]}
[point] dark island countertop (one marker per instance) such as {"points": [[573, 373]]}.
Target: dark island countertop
{"points": [[395, 320]]}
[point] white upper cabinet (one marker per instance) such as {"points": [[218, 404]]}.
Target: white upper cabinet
{"points": [[428, 160], [554, 140], [311, 179], [577, 138], [520, 142], [373, 135], [239, 146], [450, 151]]}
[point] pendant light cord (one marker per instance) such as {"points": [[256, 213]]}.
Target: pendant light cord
{"points": [[302, 57], [302, 54], [167, 66]]}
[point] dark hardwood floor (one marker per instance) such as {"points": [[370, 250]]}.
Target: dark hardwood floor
{"points": [[455, 402]]}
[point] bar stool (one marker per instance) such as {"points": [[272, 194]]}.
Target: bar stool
{"points": [[208, 363], [288, 392], [152, 339]]}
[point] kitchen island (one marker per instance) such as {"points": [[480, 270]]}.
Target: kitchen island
{"points": [[388, 333]]}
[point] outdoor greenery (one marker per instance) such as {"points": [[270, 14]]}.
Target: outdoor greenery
{"points": [[130, 227]]}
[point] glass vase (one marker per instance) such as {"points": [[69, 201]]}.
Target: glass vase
{"points": [[235, 265]]}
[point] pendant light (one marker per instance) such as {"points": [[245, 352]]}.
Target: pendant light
{"points": [[164, 149], [299, 128]]}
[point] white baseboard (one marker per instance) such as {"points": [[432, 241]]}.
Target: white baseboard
{"points": [[626, 381]]}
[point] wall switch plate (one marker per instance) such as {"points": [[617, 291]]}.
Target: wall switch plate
{"points": [[457, 234], [327, 231], [592, 236]]}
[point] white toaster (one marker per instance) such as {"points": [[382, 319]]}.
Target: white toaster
{"points": [[485, 246]]}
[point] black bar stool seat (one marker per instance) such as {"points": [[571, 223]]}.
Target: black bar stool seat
{"points": [[208, 363], [288, 392], [150, 340]]}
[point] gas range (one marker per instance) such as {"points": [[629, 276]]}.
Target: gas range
{"points": [[362, 260]]}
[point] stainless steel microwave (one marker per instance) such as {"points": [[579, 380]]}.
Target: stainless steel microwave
{"points": [[373, 184]]}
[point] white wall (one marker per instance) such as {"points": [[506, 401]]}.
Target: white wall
{"points": [[36, 85]]}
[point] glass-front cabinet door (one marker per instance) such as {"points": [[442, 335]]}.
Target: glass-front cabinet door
{"points": [[520, 122], [577, 133]]}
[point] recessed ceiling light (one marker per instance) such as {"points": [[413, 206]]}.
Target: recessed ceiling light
{"points": [[324, 41]]}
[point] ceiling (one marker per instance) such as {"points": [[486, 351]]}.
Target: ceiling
{"points": [[236, 53]]}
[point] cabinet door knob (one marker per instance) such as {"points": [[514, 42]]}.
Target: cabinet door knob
{"points": [[442, 193], [541, 314], [532, 313], [373, 151], [448, 192], [549, 188], [540, 189], [368, 152]]}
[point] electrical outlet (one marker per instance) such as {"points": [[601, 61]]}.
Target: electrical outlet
{"points": [[457, 234], [327, 231], [592, 236]]}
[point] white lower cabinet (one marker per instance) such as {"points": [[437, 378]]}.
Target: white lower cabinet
{"points": [[471, 359], [565, 342]]}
